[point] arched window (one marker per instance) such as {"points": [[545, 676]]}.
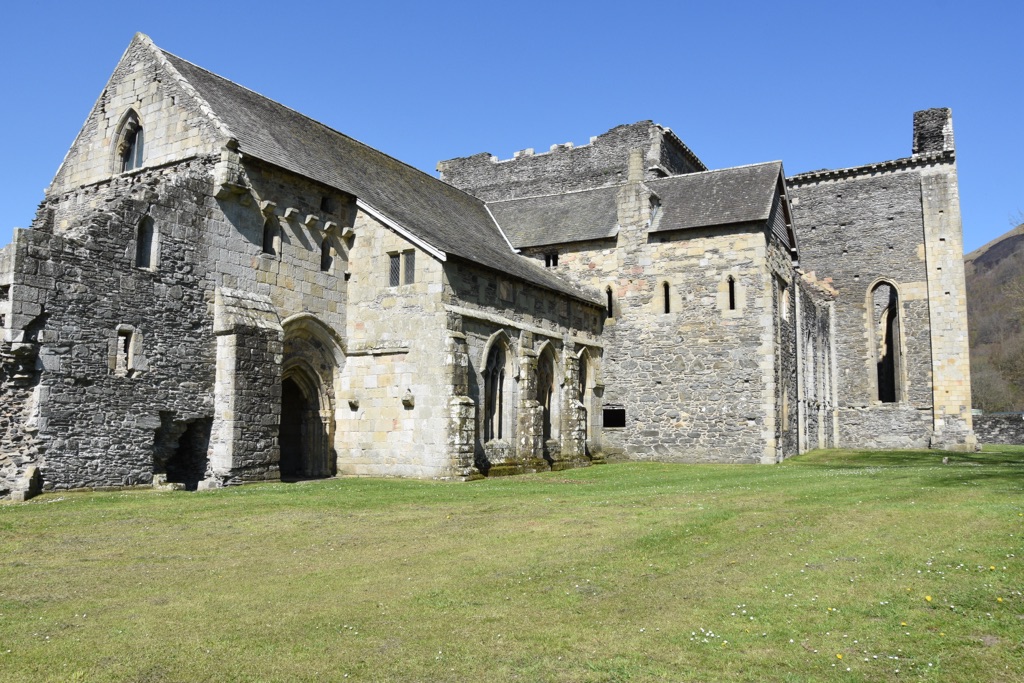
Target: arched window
{"points": [[732, 293], [665, 291], [883, 303], [547, 394], [130, 148], [326, 255], [146, 244], [497, 374], [609, 313], [271, 236]]}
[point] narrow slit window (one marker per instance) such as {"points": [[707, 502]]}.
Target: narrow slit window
{"points": [[732, 293], [394, 269], [410, 268], [270, 237], [551, 259], [145, 244], [326, 255], [666, 291], [609, 313]]}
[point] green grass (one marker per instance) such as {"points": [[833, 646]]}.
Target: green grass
{"points": [[627, 572]]}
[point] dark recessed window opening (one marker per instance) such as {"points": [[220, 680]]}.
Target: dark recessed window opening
{"points": [[667, 290], [326, 255], [326, 205], [732, 293], [614, 417], [270, 237], [551, 260], [609, 313], [145, 244]]}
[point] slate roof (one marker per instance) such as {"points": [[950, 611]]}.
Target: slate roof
{"points": [[692, 200], [560, 218], [730, 195], [441, 215]]}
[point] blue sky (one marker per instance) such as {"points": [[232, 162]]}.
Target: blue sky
{"points": [[815, 84]]}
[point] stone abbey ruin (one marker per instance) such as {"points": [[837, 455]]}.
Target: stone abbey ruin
{"points": [[217, 289]]}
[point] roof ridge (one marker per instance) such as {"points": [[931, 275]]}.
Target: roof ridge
{"points": [[323, 125]]}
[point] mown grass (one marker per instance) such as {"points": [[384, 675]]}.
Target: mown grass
{"points": [[906, 568]]}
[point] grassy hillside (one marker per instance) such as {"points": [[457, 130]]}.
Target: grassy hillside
{"points": [[995, 311], [835, 566]]}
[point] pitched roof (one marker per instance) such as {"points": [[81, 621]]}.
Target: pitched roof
{"points": [[692, 200], [559, 218], [441, 215], [730, 195]]}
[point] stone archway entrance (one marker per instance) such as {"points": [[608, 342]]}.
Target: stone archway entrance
{"points": [[303, 436], [306, 435]]}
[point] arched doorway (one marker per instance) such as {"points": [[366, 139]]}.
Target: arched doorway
{"points": [[303, 436], [313, 359]]}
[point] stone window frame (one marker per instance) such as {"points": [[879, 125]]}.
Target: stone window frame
{"points": [[899, 372], [731, 284], [547, 352], [666, 290], [147, 247], [129, 153], [610, 304], [126, 353], [401, 268], [500, 370], [550, 259]]}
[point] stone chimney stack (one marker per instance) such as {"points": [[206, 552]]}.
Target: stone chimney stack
{"points": [[933, 131]]}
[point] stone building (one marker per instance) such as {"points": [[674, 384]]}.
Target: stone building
{"points": [[217, 289]]}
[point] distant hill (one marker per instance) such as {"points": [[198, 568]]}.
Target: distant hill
{"points": [[995, 315]]}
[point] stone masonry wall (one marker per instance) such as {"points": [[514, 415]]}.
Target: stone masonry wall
{"points": [[1000, 428], [174, 123], [118, 346], [861, 231], [564, 168], [483, 305]]}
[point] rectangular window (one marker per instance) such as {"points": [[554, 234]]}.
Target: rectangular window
{"points": [[551, 260], [614, 417], [410, 267], [395, 269]]}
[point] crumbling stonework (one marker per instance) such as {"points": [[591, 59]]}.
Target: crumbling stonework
{"points": [[218, 290]]}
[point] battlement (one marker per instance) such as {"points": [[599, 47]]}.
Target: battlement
{"points": [[565, 167]]}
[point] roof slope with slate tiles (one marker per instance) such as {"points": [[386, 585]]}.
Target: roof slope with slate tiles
{"points": [[441, 215], [693, 200]]}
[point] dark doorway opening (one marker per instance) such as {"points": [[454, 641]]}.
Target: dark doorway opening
{"points": [[303, 436], [180, 451]]}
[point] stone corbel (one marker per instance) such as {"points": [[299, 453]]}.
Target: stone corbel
{"points": [[268, 208], [408, 400], [353, 404], [312, 221], [290, 213]]}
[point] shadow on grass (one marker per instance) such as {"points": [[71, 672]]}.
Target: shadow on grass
{"points": [[993, 465]]}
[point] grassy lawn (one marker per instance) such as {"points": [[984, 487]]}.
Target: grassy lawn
{"points": [[837, 565]]}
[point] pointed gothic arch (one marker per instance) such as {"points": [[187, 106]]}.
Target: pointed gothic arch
{"points": [[886, 341], [313, 360], [129, 143], [548, 391], [499, 372]]}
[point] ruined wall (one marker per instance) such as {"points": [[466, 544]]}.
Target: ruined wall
{"points": [[819, 426], [565, 168], [120, 349]]}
